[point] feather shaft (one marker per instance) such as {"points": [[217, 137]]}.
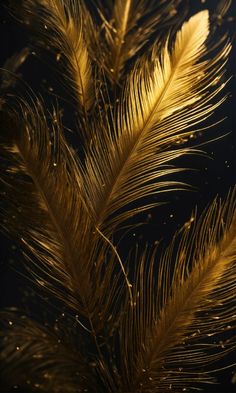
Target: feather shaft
{"points": [[121, 32]]}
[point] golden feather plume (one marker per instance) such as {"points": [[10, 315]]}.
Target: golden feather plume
{"points": [[163, 99], [61, 26], [131, 25], [39, 167], [41, 174], [179, 308], [123, 333]]}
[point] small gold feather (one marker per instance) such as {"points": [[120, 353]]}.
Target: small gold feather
{"points": [[64, 21], [129, 28]]}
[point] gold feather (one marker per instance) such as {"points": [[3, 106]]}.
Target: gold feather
{"points": [[62, 249], [60, 24], [162, 100], [178, 309], [37, 166], [64, 209], [128, 28]]}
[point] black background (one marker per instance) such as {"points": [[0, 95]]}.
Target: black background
{"points": [[213, 173]]}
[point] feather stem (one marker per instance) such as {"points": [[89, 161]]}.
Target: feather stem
{"points": [[121, 32]]}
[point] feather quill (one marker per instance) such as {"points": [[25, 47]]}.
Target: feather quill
{"points": [[162, 100], [178, 309]]}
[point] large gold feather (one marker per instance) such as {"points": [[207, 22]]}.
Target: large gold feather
{"points": [[164, 97], [124, 331]]}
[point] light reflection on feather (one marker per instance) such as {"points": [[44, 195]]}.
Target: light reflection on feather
{"points": [[151, 321]]}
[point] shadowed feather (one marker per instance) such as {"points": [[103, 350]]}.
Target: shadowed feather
{"points": [[54, 365]]}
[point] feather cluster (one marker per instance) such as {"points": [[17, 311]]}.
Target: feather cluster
{"points": [[133, 324]]}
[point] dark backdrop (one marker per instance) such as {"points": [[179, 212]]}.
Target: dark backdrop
{"points": [[214, 173]]}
